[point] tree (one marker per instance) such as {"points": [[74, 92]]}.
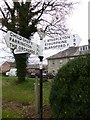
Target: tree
{"points": [[70, 92], [25, 18]]}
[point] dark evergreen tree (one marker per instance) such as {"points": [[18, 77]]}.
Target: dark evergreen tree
{"points": [[25, 18], [70, 92]]}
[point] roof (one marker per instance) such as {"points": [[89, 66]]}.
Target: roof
{"points": [[71, 51]]}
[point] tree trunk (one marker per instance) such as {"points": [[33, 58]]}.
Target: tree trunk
{"points": [[21, 63]]}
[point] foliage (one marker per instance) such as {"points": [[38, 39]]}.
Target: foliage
{"points": [[22, 92], [25, 18], [21, 60], [18, 95], [9, 114], [70, 92]]}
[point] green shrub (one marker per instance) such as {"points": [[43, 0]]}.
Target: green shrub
{"points": [[70, 92]]}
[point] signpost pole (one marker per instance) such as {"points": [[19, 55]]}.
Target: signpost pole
{"points": [[41, 86], [41, 35]]}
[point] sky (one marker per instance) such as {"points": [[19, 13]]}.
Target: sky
{"points": [[77, 23]]}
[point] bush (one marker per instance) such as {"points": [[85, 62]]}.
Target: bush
{"points": [[70, 92]]}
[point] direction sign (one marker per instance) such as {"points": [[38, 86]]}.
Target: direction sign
{"points": [[62, 42], [21, 44]]}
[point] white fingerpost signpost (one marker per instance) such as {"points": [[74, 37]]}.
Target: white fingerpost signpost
{"points": [[22, 45], [62, 42]]}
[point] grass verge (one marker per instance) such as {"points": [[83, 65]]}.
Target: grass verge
{"points": [[20, 93]]}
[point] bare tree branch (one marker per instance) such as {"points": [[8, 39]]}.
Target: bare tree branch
{"points": [[8, 6], [39, 13]]}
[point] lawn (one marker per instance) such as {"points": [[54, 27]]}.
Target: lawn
{"points": [[18, 99]]}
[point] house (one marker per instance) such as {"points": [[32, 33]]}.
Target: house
{"points": [[7, 66], [56, 61], [85, 49], [34, 68]]}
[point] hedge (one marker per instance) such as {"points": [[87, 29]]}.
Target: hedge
{"points": [[70, 91]]}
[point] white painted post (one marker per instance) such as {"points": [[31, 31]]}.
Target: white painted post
{"points": [[37, 97]]}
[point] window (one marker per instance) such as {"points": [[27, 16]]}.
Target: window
{"points": [[88, 47], [83, 47], [61, 61], [53, 72], [80, 48], [53, 62], [71, 58]]}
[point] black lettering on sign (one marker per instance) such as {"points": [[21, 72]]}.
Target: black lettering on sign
{"points": [[15, 35], [51, 47], [10, 39], [11, 33], [18, 42], [56, 38], [73, 35], [64, 45], [45, 48], [74, 40], [60, 38], [15, 41], [21, 48], [25, 40], [13, 46], [66, 37]]}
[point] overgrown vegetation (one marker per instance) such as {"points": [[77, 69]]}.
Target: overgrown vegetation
{"points": [[17, 92], [70, 92], [19, 99]]}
